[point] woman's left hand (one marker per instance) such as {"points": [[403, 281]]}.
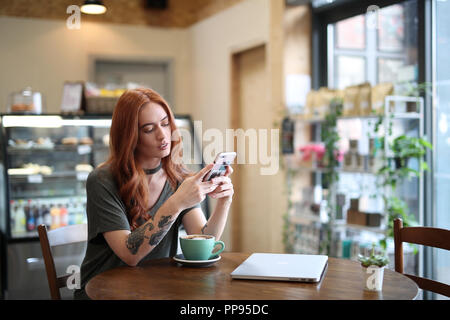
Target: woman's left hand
{"points": [[224, 190]]}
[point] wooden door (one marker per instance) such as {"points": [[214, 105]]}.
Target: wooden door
{"points": [[249, 107]]}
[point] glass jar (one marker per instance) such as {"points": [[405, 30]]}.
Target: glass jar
{"points": [[25, 101]]}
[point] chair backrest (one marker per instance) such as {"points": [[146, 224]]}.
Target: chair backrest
{"points": [[57, 237], [427, 236]]}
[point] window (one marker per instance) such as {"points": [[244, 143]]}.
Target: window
{"points": [[375, 45], [409, 44], [441, 183], [378, 46]]}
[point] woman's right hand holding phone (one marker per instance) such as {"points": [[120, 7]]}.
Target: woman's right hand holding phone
{"points": [[193, 190]]}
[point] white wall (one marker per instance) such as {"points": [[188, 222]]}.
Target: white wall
{"points": [[213, 41], [45, 53]]}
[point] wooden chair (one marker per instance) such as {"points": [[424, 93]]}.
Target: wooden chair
{"points": [[433, 237], [57, 237]]}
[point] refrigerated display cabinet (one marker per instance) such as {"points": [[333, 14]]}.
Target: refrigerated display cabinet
{"points": [[44, 163]]}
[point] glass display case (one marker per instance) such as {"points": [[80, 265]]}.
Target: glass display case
{"points": [[46, 160], [44, 164]]}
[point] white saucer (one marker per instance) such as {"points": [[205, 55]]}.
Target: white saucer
{"points": [[195, 263]]}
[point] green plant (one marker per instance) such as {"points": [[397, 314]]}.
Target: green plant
{"points": [[289, 174], [405, 147], [389, 175], [373, 260], [330, 138], [287, 231], [330, 160], [414, 89], [397, 208]]}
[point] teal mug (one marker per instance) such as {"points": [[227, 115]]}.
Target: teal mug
{"points": [[200, 247]]}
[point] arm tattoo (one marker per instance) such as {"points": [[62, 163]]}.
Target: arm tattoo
{"points": [[163, 224], [136, 238], [156, 237], [204, 227], [164, 221]]}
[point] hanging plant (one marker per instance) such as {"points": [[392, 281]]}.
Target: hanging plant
{"points": [[288, 238], [331, 159]]}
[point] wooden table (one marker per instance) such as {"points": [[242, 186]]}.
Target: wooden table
{"points": [[164, 279]]}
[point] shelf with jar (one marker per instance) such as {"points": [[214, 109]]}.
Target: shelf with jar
{"points": [[361, 102], [364, 214], [397, 115]]}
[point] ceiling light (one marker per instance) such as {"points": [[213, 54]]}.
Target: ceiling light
{"points": [[93, 7]]}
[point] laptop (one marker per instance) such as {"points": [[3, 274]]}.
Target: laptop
{"points": [[282, 267]]}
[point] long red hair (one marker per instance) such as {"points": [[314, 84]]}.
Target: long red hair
{"points": [[129, 176]]}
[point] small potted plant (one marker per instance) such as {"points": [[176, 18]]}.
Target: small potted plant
{"points": [[405, 147], [373, 267]]}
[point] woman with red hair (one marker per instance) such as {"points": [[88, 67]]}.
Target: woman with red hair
{"points": [[138, 198]]}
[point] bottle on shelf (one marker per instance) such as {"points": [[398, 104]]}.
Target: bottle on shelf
{"points": [[76, 209], [31, 220], [287, 135], [71, 208], [346, 248], [84, 213], [37, 212], [355, 249], [54, 212], [79, 212], [64, 218], [20, 219], [47, 218], [13, 209]]}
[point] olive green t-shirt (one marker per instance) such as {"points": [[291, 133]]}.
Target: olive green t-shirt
{"points": [[106, 212]]}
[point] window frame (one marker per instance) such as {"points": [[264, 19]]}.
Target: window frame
{"points": [[341, 10], [371, 55]]}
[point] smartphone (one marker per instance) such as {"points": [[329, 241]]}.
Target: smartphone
{"points": [[221, 162]]}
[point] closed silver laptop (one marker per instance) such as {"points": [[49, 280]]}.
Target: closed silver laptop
{"points": [[282, 267]]}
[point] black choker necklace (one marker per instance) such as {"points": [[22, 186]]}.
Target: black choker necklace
{"points": [[154, 170]]}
